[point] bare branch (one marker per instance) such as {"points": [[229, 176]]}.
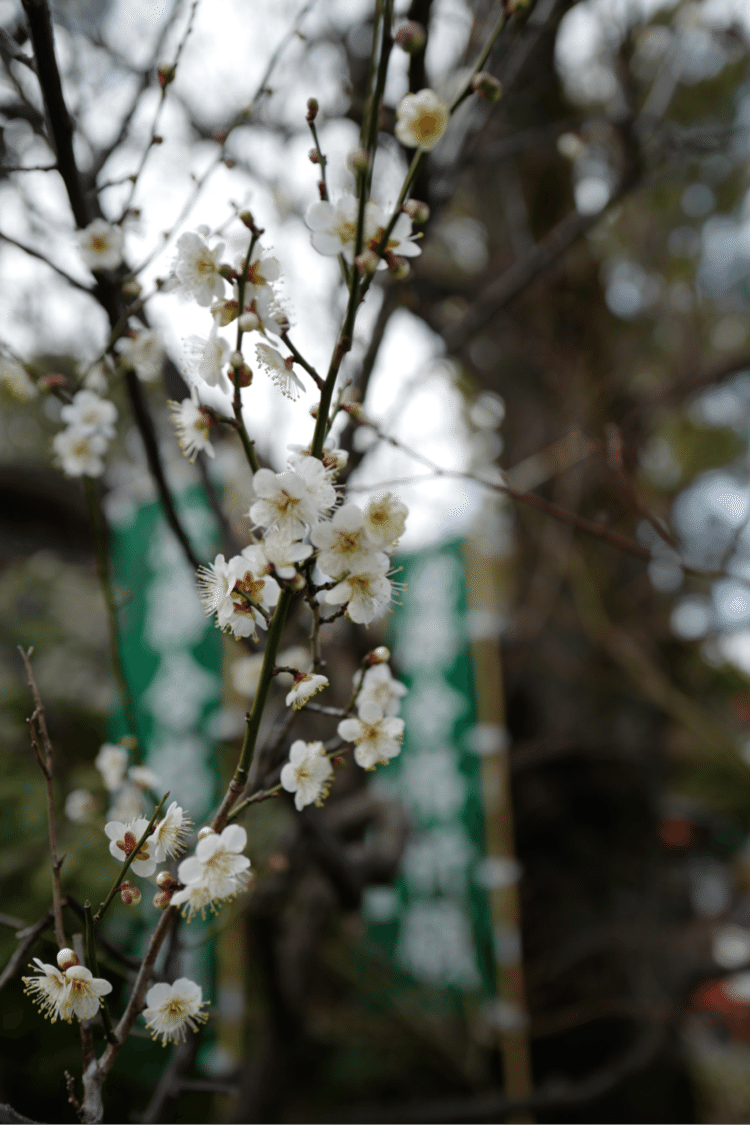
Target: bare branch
{"points": [[26, 938], [43, 258], [38, 720]]}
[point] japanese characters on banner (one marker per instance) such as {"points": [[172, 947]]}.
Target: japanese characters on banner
{"points": [[434, 920]]}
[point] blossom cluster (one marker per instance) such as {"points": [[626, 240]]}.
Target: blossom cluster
{"points": [[90, 427], [67, 989]]}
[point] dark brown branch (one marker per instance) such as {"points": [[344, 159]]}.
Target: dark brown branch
{"points": [[58, 119], [43, 258]]}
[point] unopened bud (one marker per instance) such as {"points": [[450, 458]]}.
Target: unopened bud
{"points": [[313, 156], [166, 74], [358, 160], [166, 880], [236, 360], [312, 109], [249, 322], [247, 218], [297, 583], [130, 894], [157, 140], [314, 411], [417, 211], [366, 263], [207, 831], [353, 409], [379, 655], [226, 272], [162, 899], [243, 375], [398, 268], [278, 862], [411, 37], [52, 379], [131, 290], [487, 86], [339, 763], [66, 959]]}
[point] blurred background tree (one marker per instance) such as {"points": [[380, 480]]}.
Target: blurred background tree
{"points": [[578, 318]]}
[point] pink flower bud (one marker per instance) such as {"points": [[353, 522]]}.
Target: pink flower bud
{"points": [[130, 894], [411, 37], [339, 763], [165, 74], [487, 86], [162, 899], [52, 379], [313, 156], [312, 109], [66, 958], [166, 880]]}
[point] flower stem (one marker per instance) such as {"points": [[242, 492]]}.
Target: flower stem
{"points": [[93, 965], [128, 860]]}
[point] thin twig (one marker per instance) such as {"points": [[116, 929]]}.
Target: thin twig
{"points": [[43, 258], [26, 941], [38, 722]]}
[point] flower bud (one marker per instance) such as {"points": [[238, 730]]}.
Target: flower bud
{"points": [[157, 140], [398, 268], [366, 263], [243, 375], [358, 160], [132, 289], [236, 360], [313, 156], [487, 86], [207, 831], [52, 379], [66, 958], [339, 763], [297, 583], [312, 109], [417, 211], [162, 899], [411, 37], [247, 218], [226, 272], [379, 655], [166, 74], [165, 880], [130, 894], [249, 322]]}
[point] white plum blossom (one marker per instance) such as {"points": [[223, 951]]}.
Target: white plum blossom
{"points": [[101, 245], [144, 777], [333, 459], [215, 585], [343, 543], [401, 240], [216, 872], [378, 686], [263, 270], [112, 763], [245, 674], [80, 805], [281, 373], [307, 774], [366, 592], [84, 993], [48, 989], [90, 414], [173, 1008], [289, 501], [377, 737], [170, 834], [421, 120], [334, 226], [123, 839], [283, 552], [192, 426], [144, 354], [80, 452], [306, 685], [206, 358], [385, 520], [15, 381], [197, 267], [128, 803]]}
